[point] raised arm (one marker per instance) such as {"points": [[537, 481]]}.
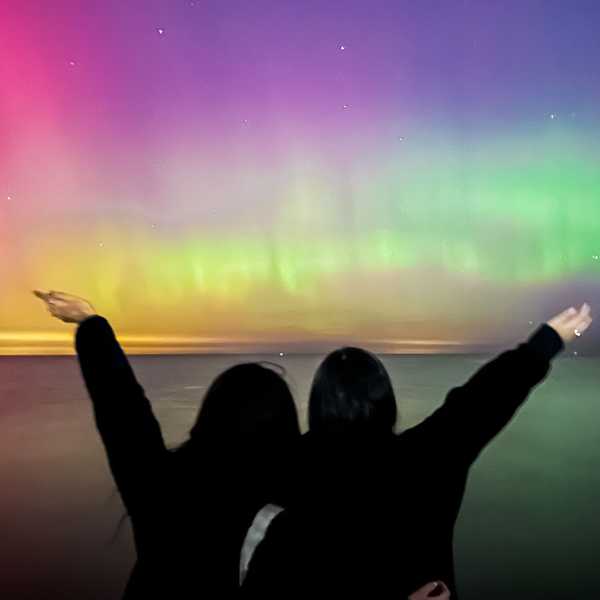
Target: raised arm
{"points": [[474, 413], [124, 418]]}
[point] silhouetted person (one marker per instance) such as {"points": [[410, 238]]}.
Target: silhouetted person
{"points": [[190, 508], [375, 512]]}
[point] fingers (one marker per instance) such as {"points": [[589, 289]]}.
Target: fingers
{"points": [[582, 313], [56, 312], [426, 589], [582, 319], [572, 316], [435, 589], [583, 325], [52, 297], [64, 296], [60, 295], [439, 591], [567, 314], [585, 311], [48, 298]]}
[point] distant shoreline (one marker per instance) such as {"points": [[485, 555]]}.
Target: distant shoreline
{"points": [[276, 355]]}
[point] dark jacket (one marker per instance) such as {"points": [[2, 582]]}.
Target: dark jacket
{"points": [[190, 510], [374, 516]]}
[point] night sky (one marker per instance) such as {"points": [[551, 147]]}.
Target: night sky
{"points": [[217, 175]]}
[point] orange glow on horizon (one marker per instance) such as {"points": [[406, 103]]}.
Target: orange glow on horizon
{"points": [[59, 344]]}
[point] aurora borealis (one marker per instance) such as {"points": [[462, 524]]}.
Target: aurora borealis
{"points": [[218, 176]]}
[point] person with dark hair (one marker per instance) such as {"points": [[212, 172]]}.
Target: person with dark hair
{"points": [[374, 513], [191, 507], [351, 392]]}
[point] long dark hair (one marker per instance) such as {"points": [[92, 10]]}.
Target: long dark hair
{"points": [[249, 401], [351, 391], [248, 407]]}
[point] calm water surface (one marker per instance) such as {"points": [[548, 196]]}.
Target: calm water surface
{"points": [[529, 528]]}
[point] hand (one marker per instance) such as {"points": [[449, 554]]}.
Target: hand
{"points": [[571, 323], [435, 589], [66, 307]]}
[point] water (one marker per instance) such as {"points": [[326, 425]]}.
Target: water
{"points": [[528, 529]]}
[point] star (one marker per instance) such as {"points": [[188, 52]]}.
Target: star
{"points": [[342, 47], [9, 197], [101, 244], [553, 116], [160, 30], [72, 63], [346, 106], [281, 354]]}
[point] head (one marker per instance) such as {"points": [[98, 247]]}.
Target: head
{"points": [[352, 391], [248, 410], [249, 402]]}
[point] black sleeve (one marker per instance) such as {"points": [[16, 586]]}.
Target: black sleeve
{"points": [[474, 413], [124, 418]]}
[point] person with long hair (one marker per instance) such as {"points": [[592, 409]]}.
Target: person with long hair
{"points": [[375, 511], [190, 507]]}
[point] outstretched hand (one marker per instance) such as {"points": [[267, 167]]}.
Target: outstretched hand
{"points": [[571, 323], [66, 307]]}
